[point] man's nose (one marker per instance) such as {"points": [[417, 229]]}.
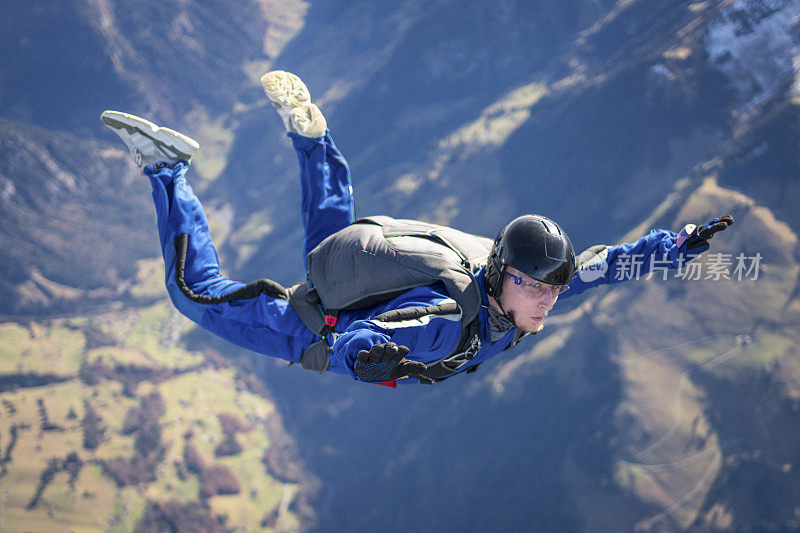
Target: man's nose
{"points": [[548, 301]]}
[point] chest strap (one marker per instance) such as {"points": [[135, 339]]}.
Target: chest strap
{"points": [[469, 344], [317, 356]]}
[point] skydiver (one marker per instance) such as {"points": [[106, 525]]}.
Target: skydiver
{"points": [[530, 265]]}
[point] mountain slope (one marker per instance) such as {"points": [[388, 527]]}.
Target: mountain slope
{"points": [[663, 404], [64, 197], [128, 428]]}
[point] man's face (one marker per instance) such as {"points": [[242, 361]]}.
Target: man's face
{"points": [[529, 301]]}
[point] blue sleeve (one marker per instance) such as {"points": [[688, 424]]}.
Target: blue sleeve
{"points": [[623, 262], [429, 338]]}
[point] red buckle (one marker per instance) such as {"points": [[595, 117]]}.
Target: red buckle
{"points": [[392, 384], [330, 320]]}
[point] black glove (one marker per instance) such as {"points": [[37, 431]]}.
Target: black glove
{"points": [[385, 362], [697, 242]]}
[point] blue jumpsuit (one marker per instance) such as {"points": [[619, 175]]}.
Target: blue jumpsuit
{"points": [[270, 326]]}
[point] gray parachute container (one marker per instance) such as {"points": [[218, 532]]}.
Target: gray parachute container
{"points": [[378, 258]]}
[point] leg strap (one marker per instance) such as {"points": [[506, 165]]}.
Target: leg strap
{"points": [[300, 297], [305, 302]]}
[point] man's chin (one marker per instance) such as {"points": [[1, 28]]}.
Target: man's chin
{"points": [[534, 327]]}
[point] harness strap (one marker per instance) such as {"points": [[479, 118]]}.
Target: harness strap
{"points": [[469, 344], [410, 313], [303, 300], [317, 356], [518, 336]]}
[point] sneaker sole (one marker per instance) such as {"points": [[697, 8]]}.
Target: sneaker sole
{"points": [[285, 89], [184, 147]]}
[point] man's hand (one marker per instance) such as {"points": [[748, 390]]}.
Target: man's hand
{"points": [[696, 242], [385, 362]]}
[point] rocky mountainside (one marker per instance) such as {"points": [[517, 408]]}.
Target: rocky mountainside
{"points": [[663, 404]]}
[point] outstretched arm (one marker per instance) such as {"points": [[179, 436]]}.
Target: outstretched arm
{"points": [[602, 264]]}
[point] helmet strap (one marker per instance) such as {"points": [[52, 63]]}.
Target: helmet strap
{"points": [[509, 316], [496, 277]]}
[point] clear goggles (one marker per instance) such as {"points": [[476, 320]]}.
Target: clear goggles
{"points": [[535, 289]]}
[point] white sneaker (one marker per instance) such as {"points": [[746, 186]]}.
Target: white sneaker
{"points": [[147, 142], [292, 101]]}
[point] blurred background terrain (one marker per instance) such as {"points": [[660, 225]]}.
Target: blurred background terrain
{"points": [[657, 405]]}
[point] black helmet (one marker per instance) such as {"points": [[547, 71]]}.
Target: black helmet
{"points": [[534, 245]]}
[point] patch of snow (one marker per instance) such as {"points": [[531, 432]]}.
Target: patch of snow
{"points": [[7, 188], [796, 85], [661, 70], [760, 150], [754, 43]]}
